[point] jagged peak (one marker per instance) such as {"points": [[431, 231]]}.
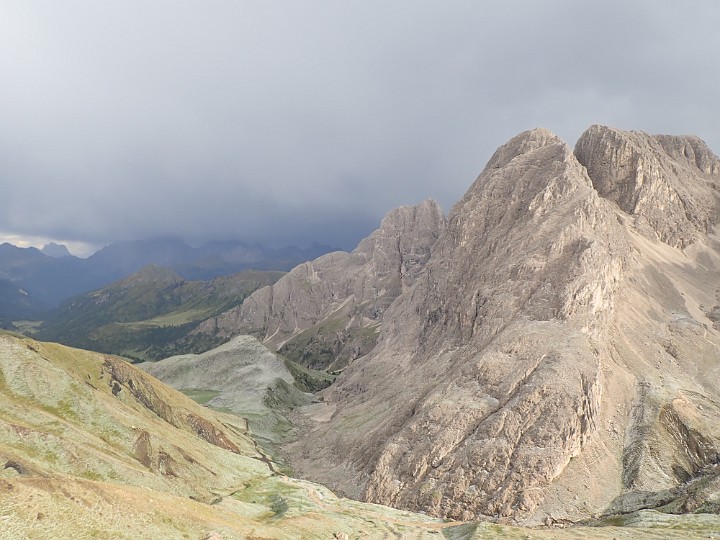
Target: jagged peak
{"points": [[427, 207], [402, 220], [524, 142], [56, 251], [532, 162], [684, 149]]}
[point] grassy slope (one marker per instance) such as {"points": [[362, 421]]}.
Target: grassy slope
{"points": [[148, 315], [244, 377]]}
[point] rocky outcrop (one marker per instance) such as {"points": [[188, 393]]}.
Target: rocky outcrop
{"points": [[668, 184], [547, 359], [327, 311]]}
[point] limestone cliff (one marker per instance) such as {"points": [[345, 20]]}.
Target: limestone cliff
{"points": [[668, 184], [327, 311], [556, 355]]}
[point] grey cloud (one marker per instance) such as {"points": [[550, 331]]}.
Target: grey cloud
{"points": [[301, 121]]}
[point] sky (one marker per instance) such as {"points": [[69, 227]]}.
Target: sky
{"points": [[291, 122]]}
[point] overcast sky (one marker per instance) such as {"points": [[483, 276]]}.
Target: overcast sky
{"points": [[299, 121]]}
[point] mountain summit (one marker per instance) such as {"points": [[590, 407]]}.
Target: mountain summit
{"points": [[549, 351]]}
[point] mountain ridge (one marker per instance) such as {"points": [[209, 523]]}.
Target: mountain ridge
{"points": [[56, 251], [331, 307], [566, 292], [501, 305]]}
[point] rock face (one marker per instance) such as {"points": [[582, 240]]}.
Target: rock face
{"points": [[56, 251], [648, 178], [327, 311], [554, 355]]}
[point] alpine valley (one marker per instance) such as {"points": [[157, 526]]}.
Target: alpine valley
{"points": [[541, 362]]}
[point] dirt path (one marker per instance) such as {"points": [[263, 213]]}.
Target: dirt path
{"points": [[262, 456]]}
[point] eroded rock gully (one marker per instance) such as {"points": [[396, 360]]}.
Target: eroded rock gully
{"points": [[121, 377]]}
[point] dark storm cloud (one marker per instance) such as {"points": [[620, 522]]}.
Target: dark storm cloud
{"points": [[300, 121]]}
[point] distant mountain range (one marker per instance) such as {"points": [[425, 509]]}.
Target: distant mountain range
{"points": [[33, 281]]}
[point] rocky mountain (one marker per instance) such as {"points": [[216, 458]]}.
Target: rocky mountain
{"points": [[552, 354], [327, 312], [557, 357], [149, 314]]}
